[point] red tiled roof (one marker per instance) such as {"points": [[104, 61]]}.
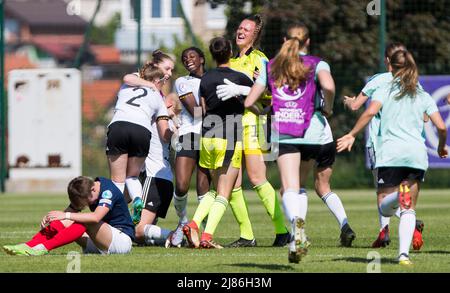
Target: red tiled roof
{"points": [[105, 54], [16, 61], [64, 47], [44, 13], [98, 96]]}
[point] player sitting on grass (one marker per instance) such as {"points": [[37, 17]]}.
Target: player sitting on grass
{"points": [[108, 227]]}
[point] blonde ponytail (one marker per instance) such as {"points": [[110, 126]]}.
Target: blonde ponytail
{"points": [[405, 71]]}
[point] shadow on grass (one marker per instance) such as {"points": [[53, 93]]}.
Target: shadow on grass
{"points": [[271, 267], [365, 260], [432, 252]]}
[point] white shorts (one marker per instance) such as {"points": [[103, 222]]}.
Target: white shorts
{"points": [[120, 244]]}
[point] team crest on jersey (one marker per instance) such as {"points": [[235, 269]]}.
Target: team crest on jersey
{"points": [[107, 194], [183, 87]]}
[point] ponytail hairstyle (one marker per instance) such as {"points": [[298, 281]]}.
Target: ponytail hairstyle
{"points": [[287, 67], [158, 57], [257, 19], [391, 48], [405, 72], [151, 72], [220, 49]]}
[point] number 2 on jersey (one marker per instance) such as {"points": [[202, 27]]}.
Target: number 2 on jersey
{"points": [[130, 101]]}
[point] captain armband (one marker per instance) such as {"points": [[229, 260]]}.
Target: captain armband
{"points": [[162, 118]]}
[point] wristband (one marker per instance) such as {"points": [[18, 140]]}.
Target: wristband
{"points": [[67, 217]]}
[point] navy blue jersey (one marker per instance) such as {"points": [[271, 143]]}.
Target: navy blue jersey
{"points": [[112, 198]]}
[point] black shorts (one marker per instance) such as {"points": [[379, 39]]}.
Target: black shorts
{"points": [[393, 176], [157, 195], [188, 145], [327, 155], [128, 138], [307, 151]]}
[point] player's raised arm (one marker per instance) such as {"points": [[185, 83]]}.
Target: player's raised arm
{"points": [[346, 142], [354, 103], [133, 79]]}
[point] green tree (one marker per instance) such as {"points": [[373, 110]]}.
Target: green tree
{"points": [[104, 35]]}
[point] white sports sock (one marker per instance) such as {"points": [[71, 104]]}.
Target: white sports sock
{"points": [[294, 204], [334, 203], [389, 204], [155, 233], [180, 204], [397, 213], [406, 230], [384, 221], [303, 199], [121, 186], [134, 187]]}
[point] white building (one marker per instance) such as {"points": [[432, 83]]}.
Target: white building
{"points": [[86, 8], [161, 21]]}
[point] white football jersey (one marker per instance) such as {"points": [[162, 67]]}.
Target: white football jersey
{"points": [[138, 105], [157, 163], [186, 85]]}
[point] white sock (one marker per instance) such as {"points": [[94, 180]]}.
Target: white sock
{"points": [[406, 230], [384, 221], [134, 187], [121, 186], [294, 204], [397, 213], [180, 203], [155, 233], [334, 203], [303, 199], [389, 204]]}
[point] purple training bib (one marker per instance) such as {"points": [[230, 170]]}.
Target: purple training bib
{"points": [[293, 110]]}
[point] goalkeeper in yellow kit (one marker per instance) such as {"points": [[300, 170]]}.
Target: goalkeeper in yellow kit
{"points": [[249, 60]]}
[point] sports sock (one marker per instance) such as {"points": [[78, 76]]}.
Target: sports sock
{"points": [[121, 186], [384, 221], [406, 230], [269, 198], [216, 212], [134, 187], [46, 233], [389, 204], [180, 203], [291, 204], [292, 242], [335, 205], [203, 208], [155, 233], [65, 236], [200, 198], [240, 212]]}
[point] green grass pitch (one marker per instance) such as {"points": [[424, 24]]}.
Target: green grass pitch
{"points": [[20, 216]]}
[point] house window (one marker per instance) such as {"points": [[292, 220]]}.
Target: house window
{"points": [[175, 11], [156, 8], [133, 9]]}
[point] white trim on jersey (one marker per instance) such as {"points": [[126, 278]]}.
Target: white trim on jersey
{"points": [[188, 85]]}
